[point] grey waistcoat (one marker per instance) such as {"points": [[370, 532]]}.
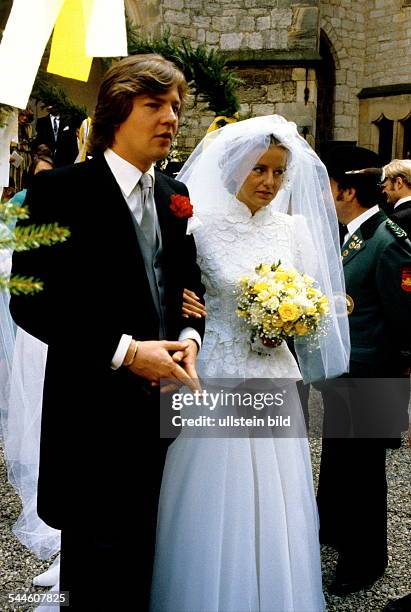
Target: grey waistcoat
{"points": [[153, 271]]}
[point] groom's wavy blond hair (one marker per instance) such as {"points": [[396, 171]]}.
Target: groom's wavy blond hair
{"points": [[136, 75]]}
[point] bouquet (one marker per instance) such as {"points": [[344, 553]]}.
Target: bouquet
{"points": [[280, 303]]}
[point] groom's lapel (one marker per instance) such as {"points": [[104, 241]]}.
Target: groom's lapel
{"points": [[115, 208], [167, 221]]}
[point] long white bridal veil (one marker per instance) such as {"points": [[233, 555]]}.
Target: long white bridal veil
{"points": [[22, 366], [216, 170]]}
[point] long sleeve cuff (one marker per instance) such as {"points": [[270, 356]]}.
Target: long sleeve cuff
{"points": [[121, 351], [188, 333]]}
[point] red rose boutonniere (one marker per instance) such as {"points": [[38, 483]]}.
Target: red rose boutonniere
{"points": [[181, 206]]}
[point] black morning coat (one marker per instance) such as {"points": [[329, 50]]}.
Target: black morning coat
{"points": [[100, 436], [65, 148]]}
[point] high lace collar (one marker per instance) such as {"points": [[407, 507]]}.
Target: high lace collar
{"points": [[239, 212]]}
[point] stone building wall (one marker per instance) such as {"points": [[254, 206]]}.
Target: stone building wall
{"points": [[344, 23], [387, 77], [244, 24], [265, 91], [388, 50], [254, 34]]}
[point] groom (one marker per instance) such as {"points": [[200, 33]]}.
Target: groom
{"points": [[110, 313]]}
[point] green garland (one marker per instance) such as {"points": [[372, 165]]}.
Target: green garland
{"points": [[204, 68]]}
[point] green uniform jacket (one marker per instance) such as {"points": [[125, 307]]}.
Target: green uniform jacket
{"points": [[377, 269]]}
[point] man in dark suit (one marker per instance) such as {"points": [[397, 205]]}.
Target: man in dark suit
{"points": [[110, 313], [369, 404], [59, 135], [397, 189]]}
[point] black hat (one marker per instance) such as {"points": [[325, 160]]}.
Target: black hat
{"points": [[345, 158], [344, 162]]}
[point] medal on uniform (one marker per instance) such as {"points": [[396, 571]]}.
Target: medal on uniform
{"points": [[350, 304]]}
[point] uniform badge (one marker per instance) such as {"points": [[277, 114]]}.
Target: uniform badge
{"points": [[406, 279], [350, 303]]}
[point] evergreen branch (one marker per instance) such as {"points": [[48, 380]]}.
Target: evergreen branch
{"points": [[9, 212], [20, 285], [29, 237]]}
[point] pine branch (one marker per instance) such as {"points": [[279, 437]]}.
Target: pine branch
{"points": [[9, 212], [25, 238], [20, 285]]}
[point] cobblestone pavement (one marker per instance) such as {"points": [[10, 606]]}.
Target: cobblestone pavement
{"points": [[18, 566]]}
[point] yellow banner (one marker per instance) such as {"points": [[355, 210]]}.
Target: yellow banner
{"points": [[68, 55]]}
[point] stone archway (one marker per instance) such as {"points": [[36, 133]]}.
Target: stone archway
{"points": [[325, 96]]}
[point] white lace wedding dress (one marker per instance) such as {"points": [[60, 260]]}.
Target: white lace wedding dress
{"points": [[237, 525]]}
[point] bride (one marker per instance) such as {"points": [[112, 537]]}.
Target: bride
{"points": [[237, 525]]}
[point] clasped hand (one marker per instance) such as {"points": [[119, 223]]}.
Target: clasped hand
{"points": [[154, 362]]}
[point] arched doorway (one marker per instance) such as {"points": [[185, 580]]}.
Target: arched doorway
{"points": [[325, 96]]}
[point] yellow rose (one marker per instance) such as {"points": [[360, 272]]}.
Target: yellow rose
{"points": [[273, 303], [311, 292], [311, 310], [288, 327], [263, 269], [288, 312], [276, 321], [308, 279], [301, 328], [323, 305], [281, 275], [263, 296], [260, 286], [291, 291]]}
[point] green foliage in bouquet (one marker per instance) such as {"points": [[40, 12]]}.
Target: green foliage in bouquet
{"points": [[23, 239], [204, 68]]}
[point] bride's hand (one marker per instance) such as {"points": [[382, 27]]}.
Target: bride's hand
{"points": [[153, 362], [187, 360], [192, 307]]}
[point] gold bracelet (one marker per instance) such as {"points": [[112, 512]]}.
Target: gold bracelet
{"points": [[136, 345]]}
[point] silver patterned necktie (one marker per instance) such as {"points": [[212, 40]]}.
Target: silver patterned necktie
{"points": [[147, 224], [55, 128]]}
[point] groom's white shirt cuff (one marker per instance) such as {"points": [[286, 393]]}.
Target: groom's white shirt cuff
{"points": [[188, 333]]}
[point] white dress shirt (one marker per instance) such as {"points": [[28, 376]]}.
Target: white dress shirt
{"points": [[127, 177], [57, 119], [401, 201], [355, 224]]}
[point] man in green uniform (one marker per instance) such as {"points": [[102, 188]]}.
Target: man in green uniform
{"points": [[369, 405]]}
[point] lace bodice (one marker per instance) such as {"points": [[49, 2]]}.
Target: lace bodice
{"points": [[228, 248]]}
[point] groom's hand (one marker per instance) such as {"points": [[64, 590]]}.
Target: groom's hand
{"points": [[154, 362], [187, 358]]}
